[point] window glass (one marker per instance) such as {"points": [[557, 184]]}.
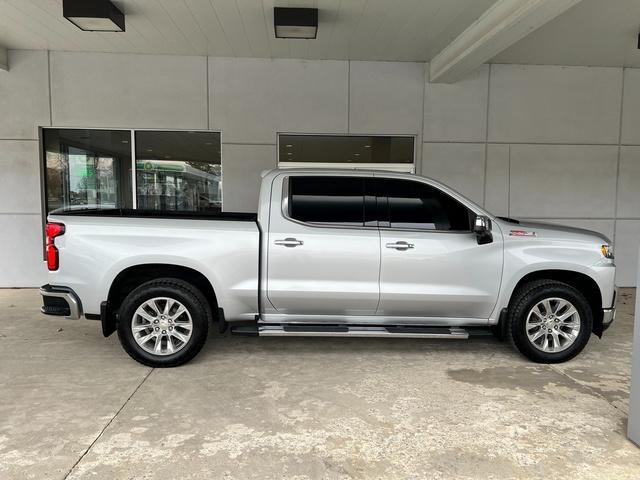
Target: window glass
{"points": [[87, 168], [345, 149], [415, 205], [327, 200], [178, 171]]}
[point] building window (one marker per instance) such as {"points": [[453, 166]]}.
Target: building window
{"points": [[178, 171], [91, 168], [347, 151], [87, 168]]}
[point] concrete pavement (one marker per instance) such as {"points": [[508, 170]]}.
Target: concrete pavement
{"points": [[74, 405]]}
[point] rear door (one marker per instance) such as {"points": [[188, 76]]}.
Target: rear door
{"points": [[323, 257], [431, 262]]}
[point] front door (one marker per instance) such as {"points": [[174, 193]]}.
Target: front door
{"points": [[431, 263], [322, 258]]}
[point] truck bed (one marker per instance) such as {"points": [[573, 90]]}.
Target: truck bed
{"points": [[100, 244]]}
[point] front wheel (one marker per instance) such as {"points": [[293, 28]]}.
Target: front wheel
{"points": [[163, 323], [549, 321]]}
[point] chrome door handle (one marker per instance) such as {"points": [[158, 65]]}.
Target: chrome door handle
{"points": [[289, 242], [401, 245]]}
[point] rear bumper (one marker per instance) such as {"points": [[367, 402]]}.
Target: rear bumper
{"points": [[609, 314], [60, 301]]}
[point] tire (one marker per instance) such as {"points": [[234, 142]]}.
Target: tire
{"points": [[182, 333], [527, 318]]}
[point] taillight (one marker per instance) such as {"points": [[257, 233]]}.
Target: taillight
{"points": [[52, 231]]}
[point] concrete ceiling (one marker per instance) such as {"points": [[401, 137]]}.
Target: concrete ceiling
{"points": [[405, 30], [594, 32]]}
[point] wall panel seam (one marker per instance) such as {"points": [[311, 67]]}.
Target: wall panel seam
{"points": [[615, 204], [508, 180], [21, 213], [18, 139], [49, 87], [493, 142], [418, 158], [209, 99], [486, 139]]}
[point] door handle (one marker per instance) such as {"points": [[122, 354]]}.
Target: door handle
{"points": [[289, 242], [401, 245]]}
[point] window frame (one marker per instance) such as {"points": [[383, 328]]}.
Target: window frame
{"points": [[285, 200], [284, 203], [44, 192], [391, 167], [134, 159], [423, 230], [44, 198], [132, 142]]}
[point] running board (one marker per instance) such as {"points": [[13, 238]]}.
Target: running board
{"points": [[361, 331]]}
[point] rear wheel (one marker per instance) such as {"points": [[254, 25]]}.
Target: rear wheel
{"points": [[549, 321], [163, 323]]}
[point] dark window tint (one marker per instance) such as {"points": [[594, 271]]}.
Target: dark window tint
{"points": [[420, 206], [327, 200], [345, 149]]}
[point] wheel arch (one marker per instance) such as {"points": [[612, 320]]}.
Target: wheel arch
{"points": [[581, 281], [134, 276]]}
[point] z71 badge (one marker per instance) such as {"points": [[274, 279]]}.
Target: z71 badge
{"points": [[521, 233]]}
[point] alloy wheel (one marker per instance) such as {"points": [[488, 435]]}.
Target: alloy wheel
{"points": [[162, 326]]}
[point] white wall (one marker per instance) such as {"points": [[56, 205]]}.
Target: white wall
{"points": [[544, 143], [559, 144]]}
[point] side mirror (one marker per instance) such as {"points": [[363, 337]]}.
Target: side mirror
{"points": [[482, 229], [482, 224]]}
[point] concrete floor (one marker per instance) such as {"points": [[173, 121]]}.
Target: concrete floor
{"points": [[73, 405]]}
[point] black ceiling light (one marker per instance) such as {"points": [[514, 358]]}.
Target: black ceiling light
{"points": [[93, 15], [295, 22]]}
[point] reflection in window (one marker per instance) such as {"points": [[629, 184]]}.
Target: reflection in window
{"points": [[327, 200], [414, 205], [178, 171], [87, 168]]}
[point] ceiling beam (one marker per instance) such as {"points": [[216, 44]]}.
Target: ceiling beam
{"points": [[4, 59], [502, 25]]}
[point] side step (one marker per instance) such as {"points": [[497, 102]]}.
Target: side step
{"points": [[361, 331]]}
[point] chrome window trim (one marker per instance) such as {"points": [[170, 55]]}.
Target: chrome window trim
{"points": [[284, 204]]}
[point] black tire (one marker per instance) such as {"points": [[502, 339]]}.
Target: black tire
{"points": [[529, 295], [176, 289]]}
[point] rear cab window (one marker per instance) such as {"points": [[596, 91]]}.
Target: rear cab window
{"points": [[320, 200]]}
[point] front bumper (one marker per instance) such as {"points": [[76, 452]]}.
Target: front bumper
{"points": [[609, 314], [60, 301]]}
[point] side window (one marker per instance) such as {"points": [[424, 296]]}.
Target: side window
{"points": [[327, 200], [416, 205]]}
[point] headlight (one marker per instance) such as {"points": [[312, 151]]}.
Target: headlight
{"points": [[607, 251]]}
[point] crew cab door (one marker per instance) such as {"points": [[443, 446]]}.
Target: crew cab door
{"points": [[432, 264], [322, 258]]}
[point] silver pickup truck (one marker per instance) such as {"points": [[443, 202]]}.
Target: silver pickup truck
{"points": [[330, 253]]}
